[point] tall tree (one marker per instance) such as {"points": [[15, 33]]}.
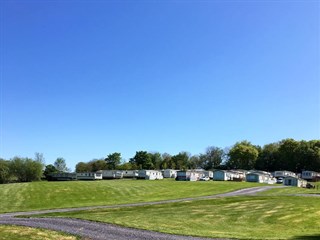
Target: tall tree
{"points": [[142, 160], [212, 158], [60, 165], [243, 155], [287, 155], [268, 159], [83, 167], [181, 160], [49, 169], [113, 160], [25, 169], [156, 160], [4, 171]]}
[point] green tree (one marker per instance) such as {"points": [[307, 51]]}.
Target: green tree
{"points": [[268, 159], [181, 160], [83, 167], [4, 171], [156, 160], [98, 164], [113, 160], [288, 159], [49, 169], [212, 158], [142, 160], [242, 155], [25, 169], [60, 165]]}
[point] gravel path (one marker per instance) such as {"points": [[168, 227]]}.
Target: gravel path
{"points": [[102, 231]]}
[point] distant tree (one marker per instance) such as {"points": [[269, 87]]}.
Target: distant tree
{"points": [[113, 160], [4, 171], [60, 165], [98, 164], [83, 167], [156, 160], [142, 160], [268, 159], [212, 158], [167, 162], [288, 159], [181, 160], [38, 157], [243, 155], [194, 162], [49, 169], [25, 169]]}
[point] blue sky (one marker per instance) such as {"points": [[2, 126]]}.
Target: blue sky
{"points": [[82, 79]]}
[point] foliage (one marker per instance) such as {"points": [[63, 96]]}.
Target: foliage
{"points": [[4, 171], [243, 155], [142, 160], [25, 169], [60, 165], [49, 169], [211, 159], [113, 160], [181, 160]]}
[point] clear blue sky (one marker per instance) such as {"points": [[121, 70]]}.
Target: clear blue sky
{"points": [[82, 79]]}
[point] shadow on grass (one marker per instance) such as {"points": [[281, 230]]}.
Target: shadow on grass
{"points": [[309, 237]]}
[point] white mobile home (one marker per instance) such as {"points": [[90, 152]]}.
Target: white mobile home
{"points": [[130, 173], [112, 174], [62, 176], [188, 176], [294, 181], [169, 173], [260, 177], [310, 175], [283, 174], [150, 175], [89, 176], [227, 175]]}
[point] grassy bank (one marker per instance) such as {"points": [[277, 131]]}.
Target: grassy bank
{"points": [[23, 233], [51, 195], [258, 217]]}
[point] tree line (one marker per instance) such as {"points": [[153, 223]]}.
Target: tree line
{"points": [[287, 154], [20, 169]]}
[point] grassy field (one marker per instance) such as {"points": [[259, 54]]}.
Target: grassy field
{"points": [[51, 195], [251, 217], [293, 190], [23, 233]]}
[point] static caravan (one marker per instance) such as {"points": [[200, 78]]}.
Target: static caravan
{"points": [[283, 174], [62, 176], [150, 175], [89, 176], [221, 175], [204, 173], [187, 176], [294, 181], [260, 177], [112, 174], [310, 176], [169, 173], [130, 173]]}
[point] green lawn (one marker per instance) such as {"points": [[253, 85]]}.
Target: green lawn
{"points": [[293, 190], [23, 233], [51, 195], [251, 217]]}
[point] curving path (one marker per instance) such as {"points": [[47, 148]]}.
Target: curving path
{"points": [[102, 231]]}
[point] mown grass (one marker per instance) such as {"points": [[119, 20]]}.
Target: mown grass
{"points": [[250, 217], [52, 195], [293, 190], [23, 233]]}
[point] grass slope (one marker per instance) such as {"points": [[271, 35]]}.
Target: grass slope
{"points": [[23, 233], [51, 195], [251, 217]]}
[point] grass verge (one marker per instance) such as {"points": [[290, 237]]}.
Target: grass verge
{"points": [[22, 233], [251, 217]]}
